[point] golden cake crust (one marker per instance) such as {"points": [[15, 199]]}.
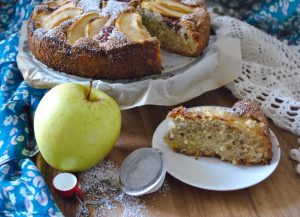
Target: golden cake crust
{"points": [[247, 108], [197, 26], [250, 109], [88, 59]]}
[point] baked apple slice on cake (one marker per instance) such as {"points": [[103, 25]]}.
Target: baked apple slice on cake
{"points": [[39, 16], [163, 10], [76, 30], [67, 5], [176, 6], [59, 16], [131, 25], [56, 4], [180, 28], [93, 27]]}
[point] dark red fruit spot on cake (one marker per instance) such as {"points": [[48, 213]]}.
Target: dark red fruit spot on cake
{"points": [[105, 33], [173, 23], [126, 1], [129, 1]]}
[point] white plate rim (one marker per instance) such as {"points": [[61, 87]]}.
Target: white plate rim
{"points": [[159, 143]]}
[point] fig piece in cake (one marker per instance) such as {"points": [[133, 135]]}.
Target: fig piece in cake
{"points": [[59, 16], [176, 6], [93, 27], [76, 30], [131, 25], [162, 9]]}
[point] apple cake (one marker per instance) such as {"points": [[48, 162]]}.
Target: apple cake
{"points": [[115, 39], [239, 134]]}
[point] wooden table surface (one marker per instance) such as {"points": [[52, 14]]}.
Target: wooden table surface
{"points": [[279, 195]]}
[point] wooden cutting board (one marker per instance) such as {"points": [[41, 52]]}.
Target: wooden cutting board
{"points": [[279, 195]]}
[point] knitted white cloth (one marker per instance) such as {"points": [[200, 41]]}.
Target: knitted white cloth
{"points": [[270, 72]]}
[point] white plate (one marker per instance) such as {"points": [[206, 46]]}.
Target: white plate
{"points": [[212, 173]]}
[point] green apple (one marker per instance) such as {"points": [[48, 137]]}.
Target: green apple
{"points": [[76, 126]]}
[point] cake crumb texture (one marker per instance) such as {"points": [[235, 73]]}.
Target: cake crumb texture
{"points": [[239, 135]]}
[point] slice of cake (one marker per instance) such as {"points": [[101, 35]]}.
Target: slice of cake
{"points": [[239, 135], [182, 27]]}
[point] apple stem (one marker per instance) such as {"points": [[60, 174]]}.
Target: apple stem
{"points": [[90, 90]]}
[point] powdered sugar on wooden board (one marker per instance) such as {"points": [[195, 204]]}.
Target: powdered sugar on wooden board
{"points": [[101, 187]]}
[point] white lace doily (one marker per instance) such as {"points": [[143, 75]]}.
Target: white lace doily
{"points": [[270, 72]]}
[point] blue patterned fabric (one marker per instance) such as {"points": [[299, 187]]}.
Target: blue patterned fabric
{"points": [[280, 18], [23, 191]]}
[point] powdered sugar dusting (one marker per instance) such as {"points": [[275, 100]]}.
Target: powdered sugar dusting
{"points": [[118, 37], [101, 187], [164, 189], [89, 5], [115, 8], [193, 2], [110, 38], [105, 41]]}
